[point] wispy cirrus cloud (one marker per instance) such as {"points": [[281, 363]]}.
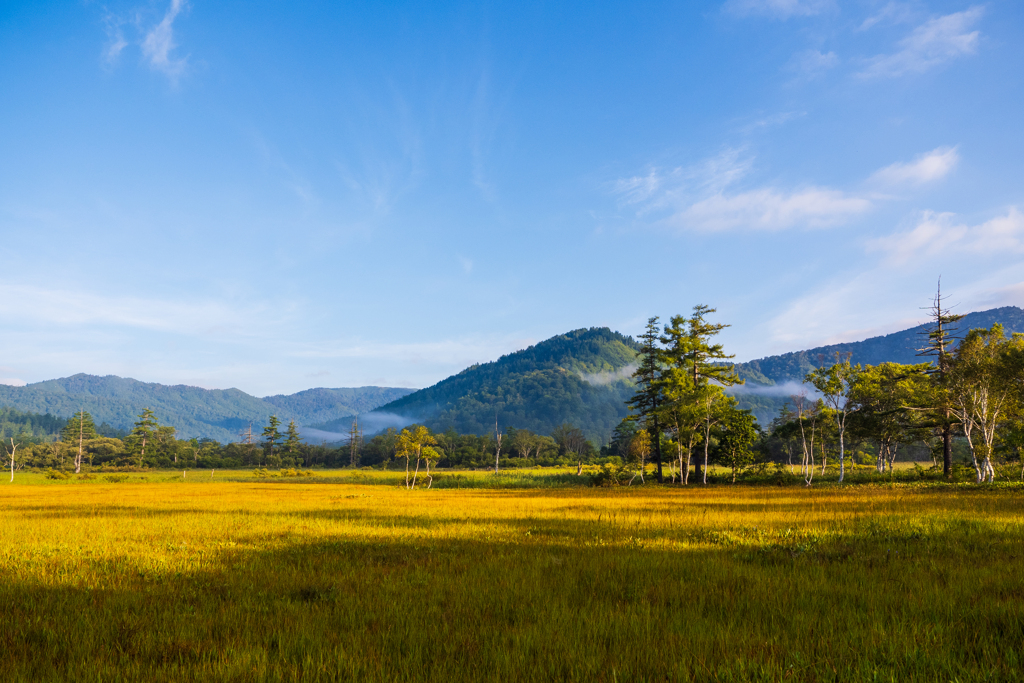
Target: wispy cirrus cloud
{"points": [[116, 42], [928, 167], [811, 64], [70, 308], [931, 44], [700, 198], [159, 43], [706, 196], [940, 233], [892, 13], [779, 9], [771, 209]]}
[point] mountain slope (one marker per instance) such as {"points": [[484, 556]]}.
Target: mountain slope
{"points": [[580, 377], [194, 412]]}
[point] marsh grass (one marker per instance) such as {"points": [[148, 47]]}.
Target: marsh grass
{"points": [[262, 581]]}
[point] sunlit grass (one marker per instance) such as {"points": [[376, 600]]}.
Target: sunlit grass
{"points": [[200, 580]]}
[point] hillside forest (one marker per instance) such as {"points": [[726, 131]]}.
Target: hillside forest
{"points": [[962, 408]]}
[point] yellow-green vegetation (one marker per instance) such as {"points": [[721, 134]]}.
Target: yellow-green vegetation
{"points": [[291, 579]]}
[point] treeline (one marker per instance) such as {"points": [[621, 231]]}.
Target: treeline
{"points": [[969, 400], [81, 447], [30, 428]]}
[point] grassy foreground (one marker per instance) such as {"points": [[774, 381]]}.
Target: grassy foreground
{"points": [[264, 581]]}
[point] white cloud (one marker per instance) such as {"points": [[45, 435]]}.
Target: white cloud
{"points": [[892, 13], [933, 43], [939, 233], [832, 312], [770, 209], [159, 43], [13, 382], [781, 9], [698, 197], [766, 122], [812, 64], [67, 308], [930, 166], [116, 42]]}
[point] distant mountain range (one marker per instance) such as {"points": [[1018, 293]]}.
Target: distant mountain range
{"points": [[581, 377], [215, 413]]}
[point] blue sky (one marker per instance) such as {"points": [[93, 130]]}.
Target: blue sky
{"points": [[276, 196]]}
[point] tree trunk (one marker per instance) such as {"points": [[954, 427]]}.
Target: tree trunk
{"points": [[430, 479], [657, 450], [707, 444], [947, 449], [892, 456], [842, 455], [968, 429], [416, 473]]}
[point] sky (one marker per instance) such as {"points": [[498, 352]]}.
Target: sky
{"points": [[278, 196]]}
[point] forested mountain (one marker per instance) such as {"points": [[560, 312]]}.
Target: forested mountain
{"points": [[215, 413], [581, 377]]}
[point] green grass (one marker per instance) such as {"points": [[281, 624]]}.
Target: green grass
{"points": [[259, 581]]}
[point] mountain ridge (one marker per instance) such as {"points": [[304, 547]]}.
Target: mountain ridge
{"points": [[194, 412], [896, 347]]}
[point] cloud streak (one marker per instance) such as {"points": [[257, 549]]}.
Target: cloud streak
{"points": [[68, 308], [811, 64], [928, 167], [699, 198], [931, 44], [938, 233], [778, 9], [116, 42], [159, 43]]}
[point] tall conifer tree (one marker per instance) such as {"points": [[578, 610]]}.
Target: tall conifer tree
{"points": [[647, 399]]}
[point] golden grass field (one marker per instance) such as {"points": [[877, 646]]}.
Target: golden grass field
{"points": [[285, 580]]}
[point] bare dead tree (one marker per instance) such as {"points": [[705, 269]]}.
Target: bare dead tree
{"points": [[497, 439], [941, 335], [355, 437], [14, 448]]}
